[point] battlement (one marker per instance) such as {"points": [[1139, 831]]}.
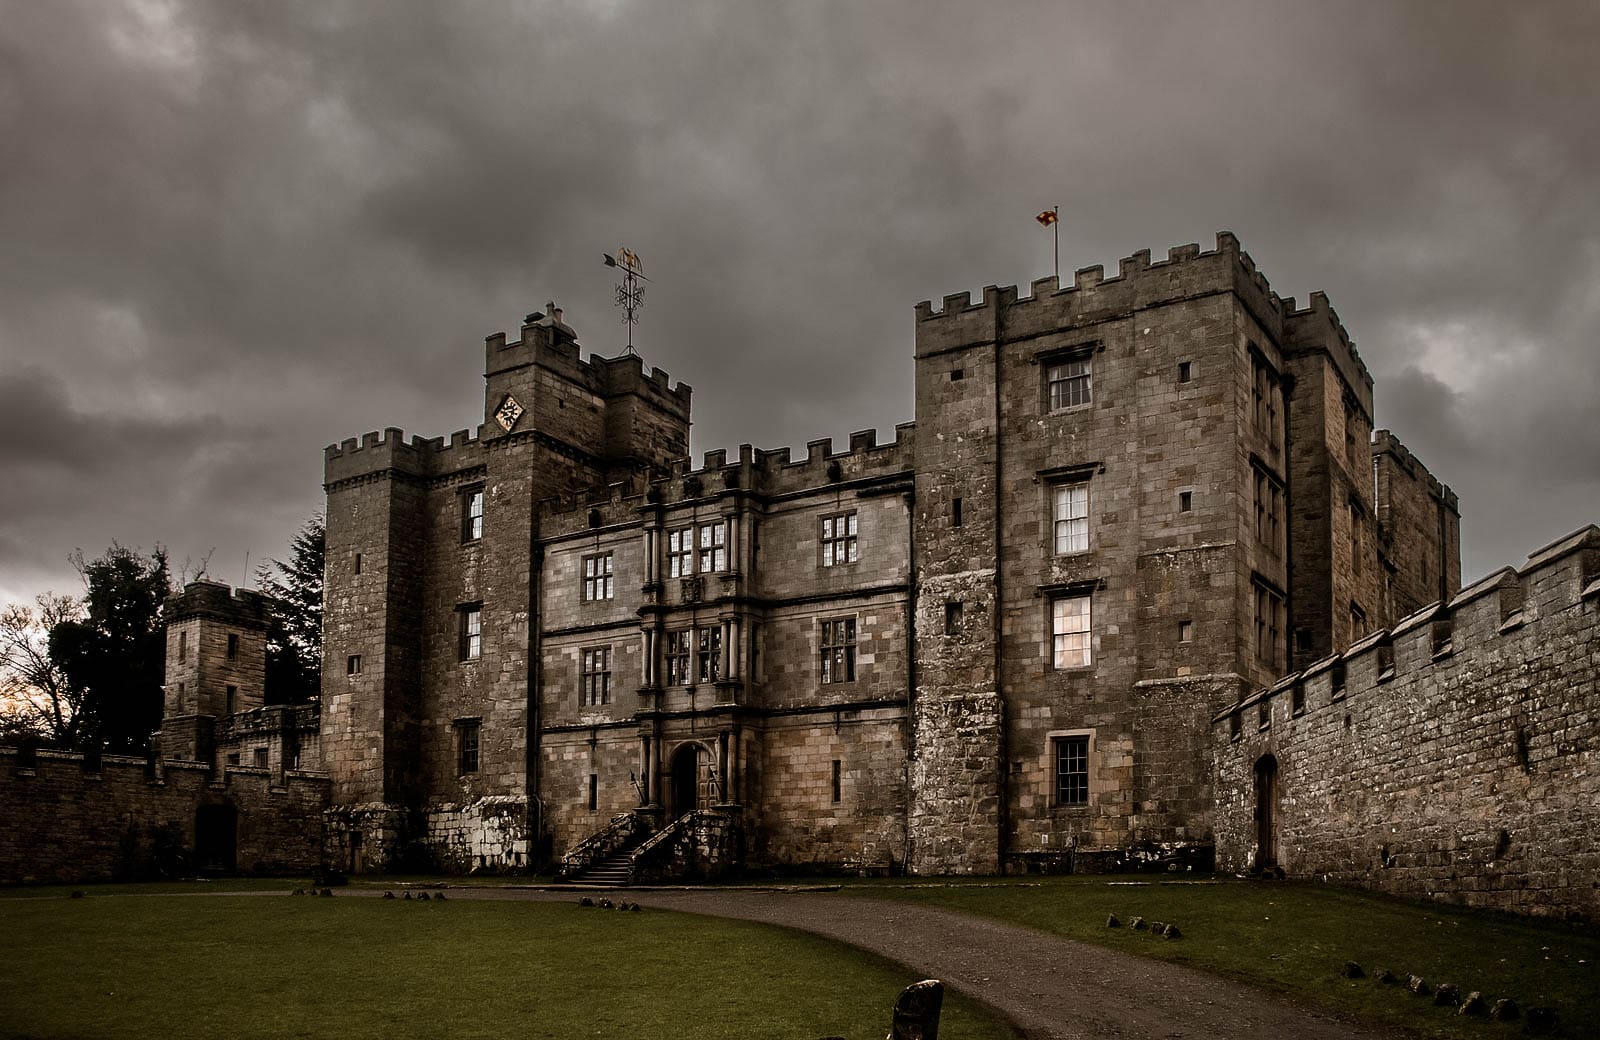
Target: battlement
{"points": [[245, 608], [765, 472], [1317, 327], [390, 451], [1385, 443], [1558, 577], [552, 345], [1187, 271]]}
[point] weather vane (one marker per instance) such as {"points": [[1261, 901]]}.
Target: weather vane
{"points": [[630, 294]]}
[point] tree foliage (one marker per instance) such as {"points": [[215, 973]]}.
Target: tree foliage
{"points": [[114, 651], [38, 699], [294, 621]]}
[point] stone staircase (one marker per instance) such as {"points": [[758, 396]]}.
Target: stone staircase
{"points": [[614, 871]]}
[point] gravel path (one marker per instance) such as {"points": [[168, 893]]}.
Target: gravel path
{"points": [[1049, 986]]}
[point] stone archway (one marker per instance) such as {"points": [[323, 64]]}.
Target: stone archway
{"points": [[216, 836], [1266, 773], [692, 783]]}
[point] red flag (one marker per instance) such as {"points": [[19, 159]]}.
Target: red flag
{"points": [[1047, 218]]}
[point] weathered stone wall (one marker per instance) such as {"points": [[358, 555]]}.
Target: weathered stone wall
{"points": [[1456, 757], [64, 822], [1420, 523]]}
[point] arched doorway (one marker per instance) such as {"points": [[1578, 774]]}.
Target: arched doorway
{"points": [[1266, 803], [216, 836], [692, 781]]}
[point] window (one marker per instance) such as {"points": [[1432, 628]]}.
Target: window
{"points": [[1358, 622], [1269, 609], [838, 776], [1185, 371], [839, 539], [595, 678], [839, 650], [467, 746], [181, 699], [471, 631], [472, 514], [1185, 631], [183, 647], [1069, 632], [233, 647], [597, 577], [1297, 699], [352, 664], [1264, 715], [358, 563], [1072, 770], [956, 375], [1185, 501], [1067, 384], [1265, 390], [955, 512], [1071, 518], [680, 552], [594, 792], [1355, 537], [1269, 512], [713, 547], [1336, 681], [952, 618], [260, 757], [710, 654], [231, 695], [678, 644]]}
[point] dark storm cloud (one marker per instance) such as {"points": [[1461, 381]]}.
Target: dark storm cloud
{"points": [[237, 232]]}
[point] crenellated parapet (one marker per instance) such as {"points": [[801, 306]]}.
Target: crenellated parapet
{"points": [[390, 454], [1385, 443], [1317, 327], [553, 346], [1561, 576], [764, 473], [214, 600], [1187, 272]]}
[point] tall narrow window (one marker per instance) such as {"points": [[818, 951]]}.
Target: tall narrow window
{"points": [[1070, 632], [594, 792], [1072, 770], [471, 631], [183, 647], [952, 618], [1269, 510], [1358, 622], [680, 552], [1071, 518], [713, 547], [710, 653], [678, 650], [231, 694], [839, 539], [472, 514], [1269, 612], [839, 650], [838, 777], [955, 512], [597, 577], [358, 563], [595, 678], [1068, 384], [233, 647], [1355, 537], [467, 746]]}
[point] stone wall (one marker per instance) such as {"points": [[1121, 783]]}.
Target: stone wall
{"points": [[1456, 757], [65, 822]]}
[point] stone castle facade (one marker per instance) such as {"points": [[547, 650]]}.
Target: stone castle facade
{"points": [[996, 643]]}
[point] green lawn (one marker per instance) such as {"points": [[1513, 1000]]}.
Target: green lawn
{"points": [[242, 967], [1294, 938]]}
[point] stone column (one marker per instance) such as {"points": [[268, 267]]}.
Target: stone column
{"points": [[647, 662]]}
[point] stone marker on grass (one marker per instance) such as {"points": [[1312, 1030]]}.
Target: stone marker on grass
{"points": [[1112, 922], [916, 1013], [1505, 1010], [1474, 1004], [1417, 986], [1447, 995], [1352, 970]]}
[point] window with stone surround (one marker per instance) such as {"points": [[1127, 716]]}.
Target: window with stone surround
{"points": [[352, 664], [1269, 624], [839, 539], [680, 552], [233, 646], [467, 745], [598, 581], [839, 650], [1355, 536], [709, 653], [1071, 756], [471, 631], [679, 645], [1266, 394], [230, 698], [183, 647], [1269, 511], [1071, 517], [1069, 383], [1070, 645], [472, 513], [595, 676], [714, 547], [1358, 622]]}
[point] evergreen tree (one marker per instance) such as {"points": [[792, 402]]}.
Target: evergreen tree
{"points": [[116, 651], [294, 618]]}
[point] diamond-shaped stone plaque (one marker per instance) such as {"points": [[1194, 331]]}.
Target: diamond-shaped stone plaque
{"points": [[508, 413]]}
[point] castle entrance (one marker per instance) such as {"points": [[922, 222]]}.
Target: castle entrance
{"points": [[216, 837], [1266, 801], [692, 780]]}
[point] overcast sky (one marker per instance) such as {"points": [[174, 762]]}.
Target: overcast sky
{"points": [[232, 233]]}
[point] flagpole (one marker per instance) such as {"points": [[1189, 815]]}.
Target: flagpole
{"points": [[1057, 228]]}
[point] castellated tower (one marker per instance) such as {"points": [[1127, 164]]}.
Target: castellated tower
{"points": [[216, 665], [431, 601]]}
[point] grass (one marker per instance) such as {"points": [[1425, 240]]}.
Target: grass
{"points": [[1294, 938], [219, 965]]}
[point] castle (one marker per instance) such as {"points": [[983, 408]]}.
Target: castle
{"points": [[1006, 641]]}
